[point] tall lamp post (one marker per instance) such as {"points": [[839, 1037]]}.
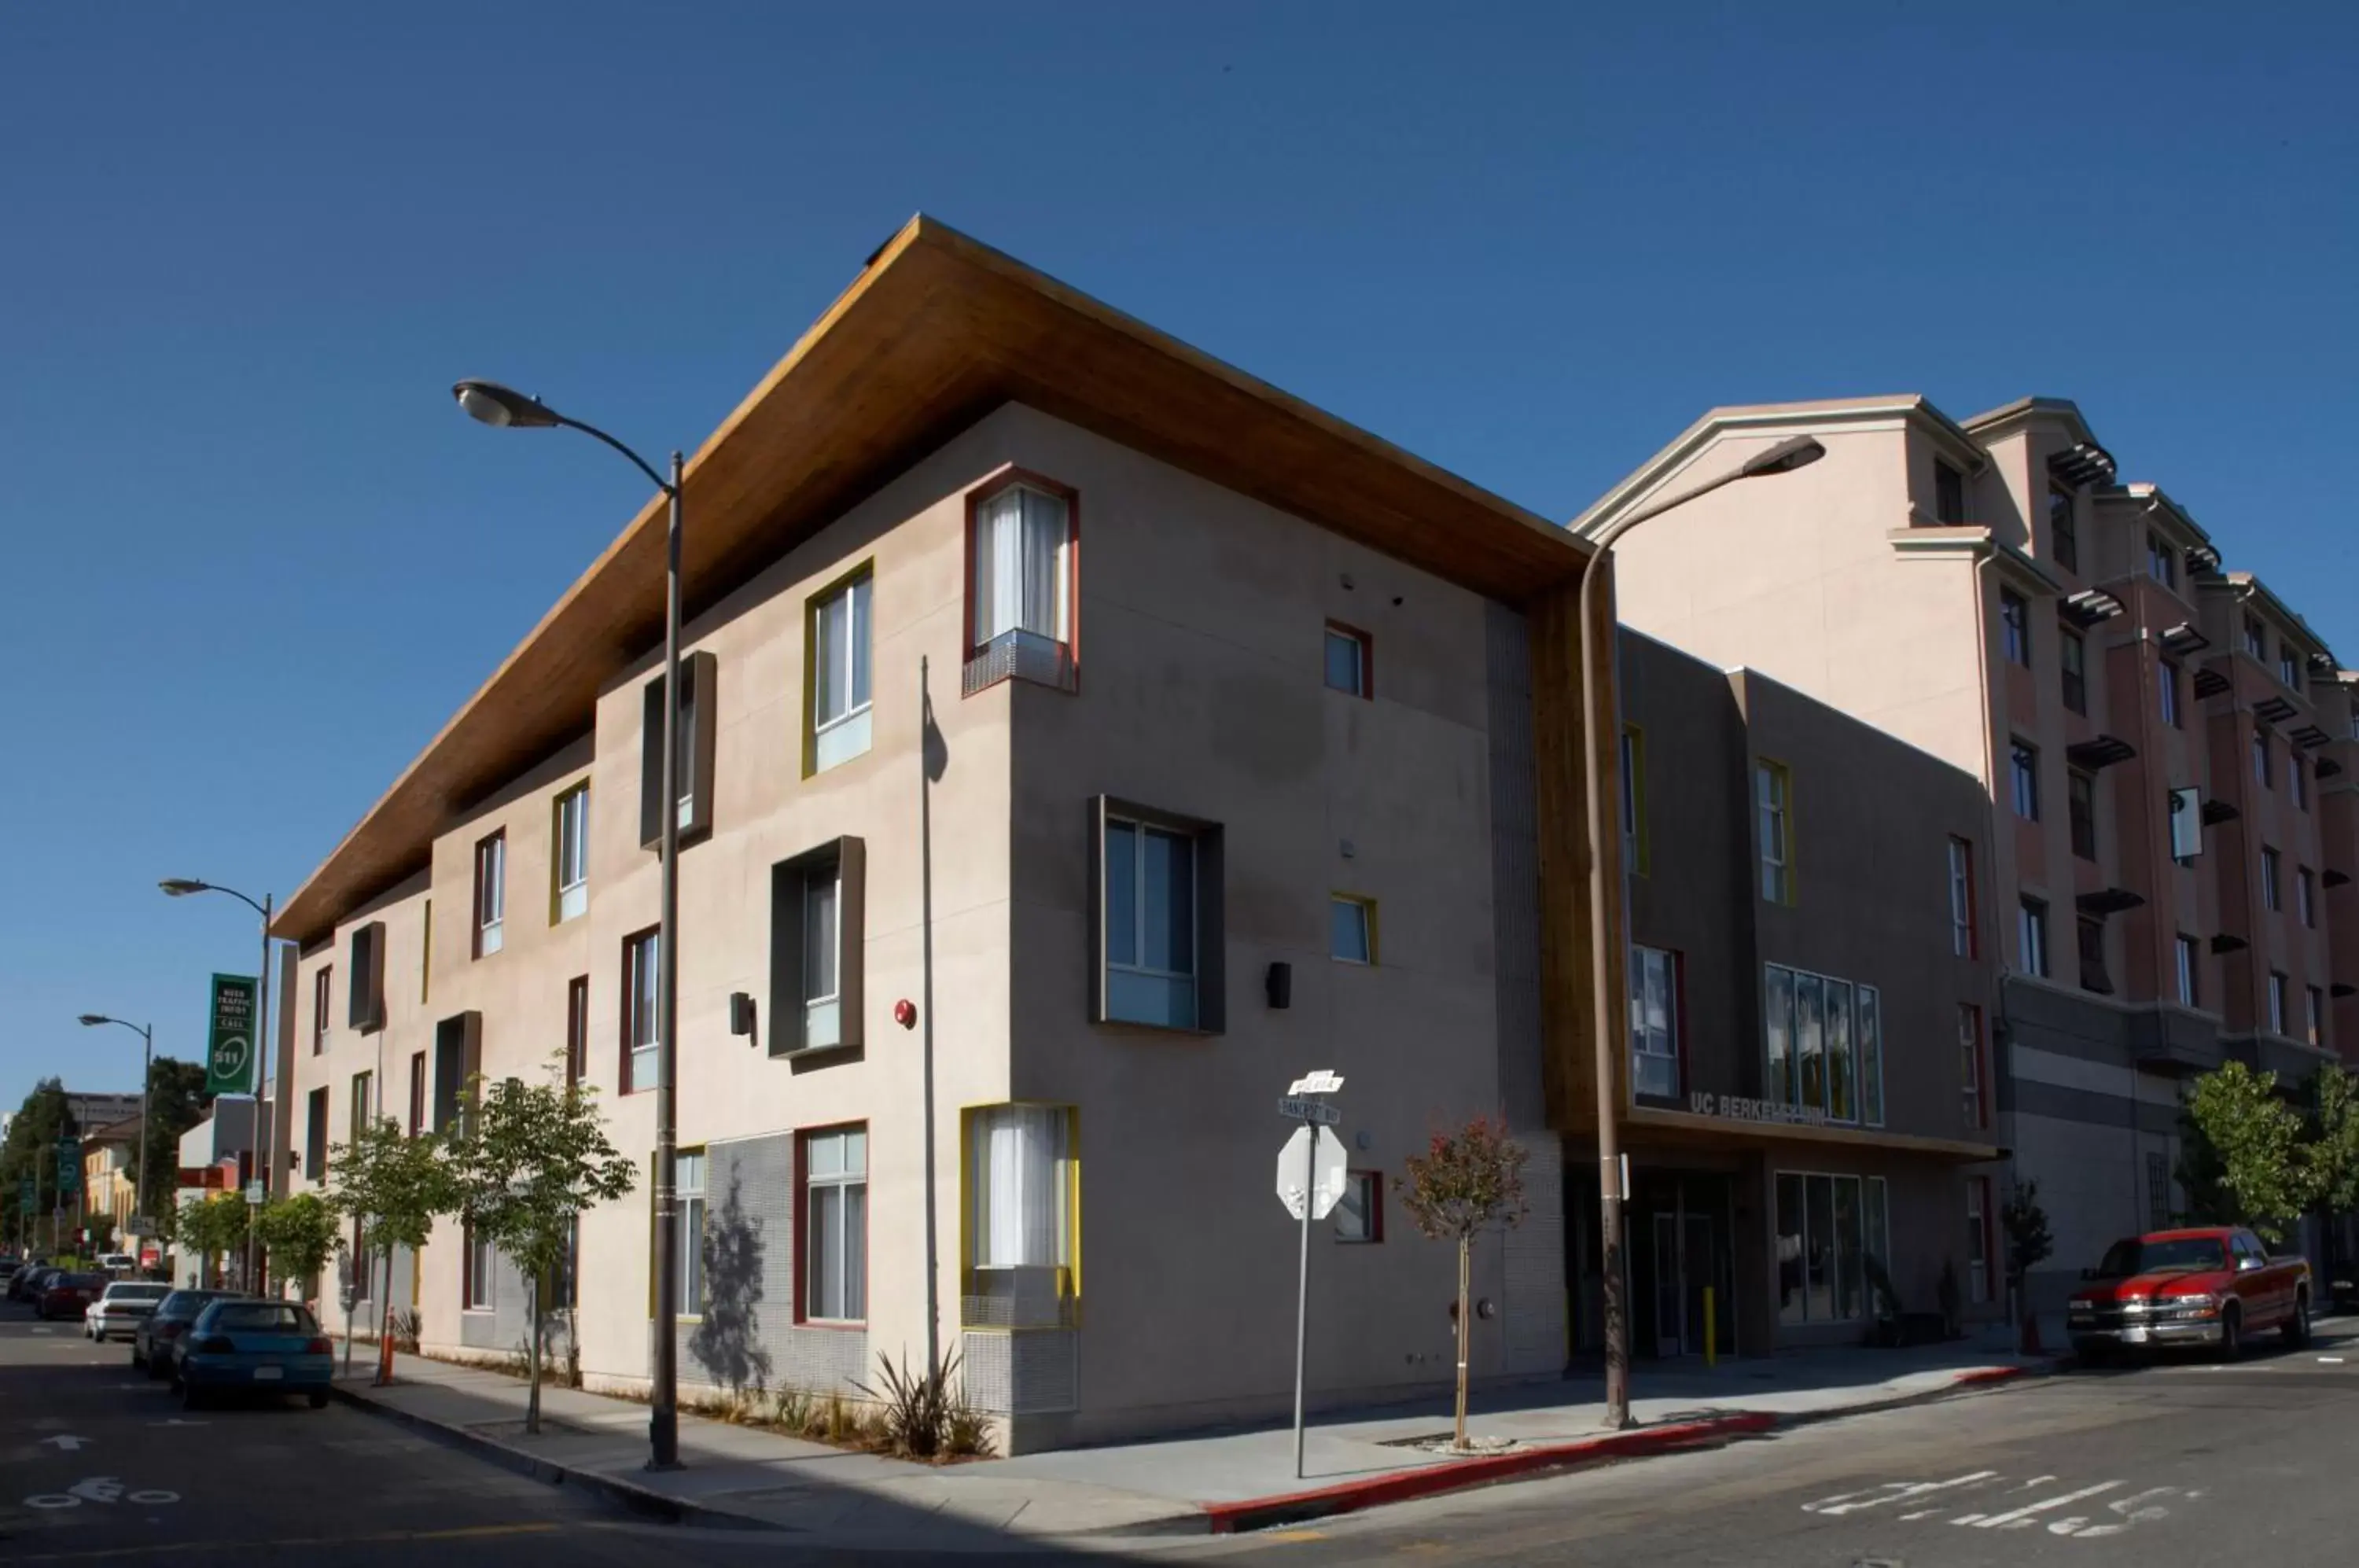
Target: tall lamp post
{"points": [[181, 887], [504, 408], [146, 1093], [1796, 451]]}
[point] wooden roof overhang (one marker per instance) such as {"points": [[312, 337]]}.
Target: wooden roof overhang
{"points": [[936, 331]]}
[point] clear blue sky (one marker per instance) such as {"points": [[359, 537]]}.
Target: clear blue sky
{"points": [[254, 556]]}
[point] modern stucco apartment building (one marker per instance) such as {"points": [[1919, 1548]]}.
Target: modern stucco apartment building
{"points": [[1990, 593], [1160, 737], [1156, 738]]}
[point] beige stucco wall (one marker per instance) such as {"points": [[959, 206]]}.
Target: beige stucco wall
{"points": [[1794, 576], [1201, 624]]}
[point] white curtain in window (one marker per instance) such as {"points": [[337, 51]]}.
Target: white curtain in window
{"points": [[1020, 1183], [1019, 565]]}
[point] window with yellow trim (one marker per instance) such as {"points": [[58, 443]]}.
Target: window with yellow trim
{"points": [[1020, 1216], [1351, 929]]}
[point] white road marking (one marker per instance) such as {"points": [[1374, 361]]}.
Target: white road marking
{"points": [[2016, 1518], [1892, 1492], [2331, 1360], [2131, 1514], [2035, 1481], [1923, 1513], [66, 1440]]}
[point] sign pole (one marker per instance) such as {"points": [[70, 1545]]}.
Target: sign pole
{"points": [[1302, 1286]]}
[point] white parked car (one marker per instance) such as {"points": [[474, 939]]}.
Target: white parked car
{"points": [[119, 1308]]}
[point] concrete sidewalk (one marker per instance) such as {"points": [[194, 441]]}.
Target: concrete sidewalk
{"points": [[749, 1478]]}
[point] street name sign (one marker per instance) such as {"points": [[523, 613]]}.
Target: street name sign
{"points": [[1294, 1107]]}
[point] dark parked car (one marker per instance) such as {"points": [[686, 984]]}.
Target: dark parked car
{"points": [[253, 1346], [20, 1285], [159, 1330], [67, 1295]]}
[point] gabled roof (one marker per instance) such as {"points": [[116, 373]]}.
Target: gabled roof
{"points": [[936, 331], [2249, 586], [1992, 420], [1771, 418]]}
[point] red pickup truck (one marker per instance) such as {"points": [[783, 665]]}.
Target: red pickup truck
{"points": [[2213, 1285]]}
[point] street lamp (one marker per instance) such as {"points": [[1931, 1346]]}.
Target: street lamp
{"points": [[1795, 452], [147, 1090], [503, 407], [181, 887]]}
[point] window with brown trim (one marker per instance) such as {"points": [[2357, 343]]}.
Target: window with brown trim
{"points": [[577, 1028], [694, 740], [366, 1008], [1360, 1213], [818, 948], [324, 994], [1023, 586], [417, 1092]]}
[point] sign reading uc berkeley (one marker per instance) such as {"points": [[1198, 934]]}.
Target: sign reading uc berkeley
{"points": [[1737, 1108], [230, 1039]]}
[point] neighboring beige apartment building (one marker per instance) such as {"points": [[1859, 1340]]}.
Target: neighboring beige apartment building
{"points": [[2165, 752], [1153, 736]]}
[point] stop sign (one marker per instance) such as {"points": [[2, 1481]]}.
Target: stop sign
{"points": [[1325, 1173]]}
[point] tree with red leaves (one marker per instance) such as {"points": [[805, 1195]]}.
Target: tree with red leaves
{"points": [[1464, 1182]]}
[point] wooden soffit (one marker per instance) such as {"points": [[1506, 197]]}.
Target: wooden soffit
{"points": [[937, 331]]}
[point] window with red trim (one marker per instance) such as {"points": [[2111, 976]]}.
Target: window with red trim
{"points": [[1351, 660], [1023, 540], [831, 1249]]}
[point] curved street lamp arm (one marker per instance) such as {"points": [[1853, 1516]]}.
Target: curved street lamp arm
{"points": [[660, 481]]}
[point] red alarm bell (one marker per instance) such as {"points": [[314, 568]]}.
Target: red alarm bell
{"points": [[905, 1013]]}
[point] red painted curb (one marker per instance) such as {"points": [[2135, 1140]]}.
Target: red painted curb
{"points": [[1987, 1375], [1400, 1486]]}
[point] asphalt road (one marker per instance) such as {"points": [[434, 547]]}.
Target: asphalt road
{"points": [[2184, 1463]]}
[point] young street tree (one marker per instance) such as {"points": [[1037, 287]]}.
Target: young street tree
{"points": [[210, 1229], [527, 1159], [395, 1185], [298, 1233], [2028, 1244], [1464, 1182], [2244, 1159]]}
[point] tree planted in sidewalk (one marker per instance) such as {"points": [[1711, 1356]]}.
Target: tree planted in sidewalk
{"points": [[212, 1228], [527, 1159], [298, 1233], [2028, 1244], [396, 1186], [2243, 1160], [1466, 1182]]}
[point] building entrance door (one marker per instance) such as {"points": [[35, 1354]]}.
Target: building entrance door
{"points": [[1688, 1273]]}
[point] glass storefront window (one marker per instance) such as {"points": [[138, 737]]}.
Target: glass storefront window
{"points": [[1839, 1058], [1790, 1249], [1871, 1059], [1809, 1038], [1823, 1042], [1827, 1228], [1781, 1081]]}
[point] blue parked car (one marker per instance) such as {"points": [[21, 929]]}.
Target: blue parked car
{"points": [[264, 1347]]}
